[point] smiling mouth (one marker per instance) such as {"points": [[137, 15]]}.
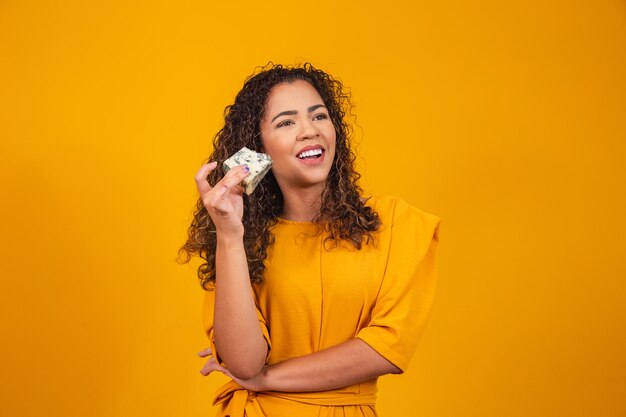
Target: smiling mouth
{"points": [[311, 154]]}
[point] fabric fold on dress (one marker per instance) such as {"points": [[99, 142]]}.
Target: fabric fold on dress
{"points": [[242, 402]]}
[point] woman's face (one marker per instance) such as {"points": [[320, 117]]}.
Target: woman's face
{"points": [[298, 134]]}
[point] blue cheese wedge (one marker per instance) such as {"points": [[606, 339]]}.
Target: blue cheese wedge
{"points": [[259, 164]]}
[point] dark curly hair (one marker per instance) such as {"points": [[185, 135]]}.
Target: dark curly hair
{"points": [[342, 214]]}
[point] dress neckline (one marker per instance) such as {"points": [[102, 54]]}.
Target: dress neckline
{"points": [[280, 220], [293, 222]]}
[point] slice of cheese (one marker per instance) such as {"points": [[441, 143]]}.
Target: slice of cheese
{"points": [[259, 164]]}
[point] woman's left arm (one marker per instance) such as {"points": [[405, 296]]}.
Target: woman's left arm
{"points": [[339, 366]]}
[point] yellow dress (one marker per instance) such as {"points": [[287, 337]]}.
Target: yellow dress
{"points": [[314, 298]]}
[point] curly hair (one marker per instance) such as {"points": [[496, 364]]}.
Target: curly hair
{"points": [[342, 214]]}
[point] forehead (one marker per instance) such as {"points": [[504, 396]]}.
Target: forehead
{"points": [[292, 96]]}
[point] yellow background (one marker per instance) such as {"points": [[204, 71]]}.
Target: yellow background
{"points": [[507, 119]]}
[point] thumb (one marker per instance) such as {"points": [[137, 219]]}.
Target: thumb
{"points": [[204, 353]]}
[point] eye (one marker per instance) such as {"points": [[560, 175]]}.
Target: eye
{"points": [[285, 123], [320, 116]]}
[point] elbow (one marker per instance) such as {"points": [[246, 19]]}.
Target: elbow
{"points": [[243, 364], [395, 370], [390, 368], [245, 372], [245, 368]]}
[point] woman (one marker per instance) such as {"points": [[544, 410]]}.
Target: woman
{"points": [[313, 291]]}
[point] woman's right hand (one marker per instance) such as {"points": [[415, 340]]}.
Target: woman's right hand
{"points": [[223, 201]]}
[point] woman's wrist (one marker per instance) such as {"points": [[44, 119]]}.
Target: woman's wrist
{"points": [[263, 380], [230, 239]]}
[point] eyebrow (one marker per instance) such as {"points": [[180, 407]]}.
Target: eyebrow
{"points": [[293, 112]]}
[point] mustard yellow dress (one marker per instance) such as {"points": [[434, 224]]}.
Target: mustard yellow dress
{"points": [[314, 298]]}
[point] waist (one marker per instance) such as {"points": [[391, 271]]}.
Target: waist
{"points": [[239, 400]]}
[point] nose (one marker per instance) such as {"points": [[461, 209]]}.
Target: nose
{"points": [[307, 130]]}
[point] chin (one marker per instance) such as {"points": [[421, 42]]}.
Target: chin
{"points": [[307, 182]]}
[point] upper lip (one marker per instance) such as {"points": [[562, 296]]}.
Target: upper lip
{"points": [[308, 148]]}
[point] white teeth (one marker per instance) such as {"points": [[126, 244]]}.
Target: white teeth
{"points": [[312, 152]]}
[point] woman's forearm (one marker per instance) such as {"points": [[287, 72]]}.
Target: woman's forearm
{"points": [[339, 366], [238, 337]]}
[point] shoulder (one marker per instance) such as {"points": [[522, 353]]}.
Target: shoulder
{"points": [[393, 209], [409, 230]]}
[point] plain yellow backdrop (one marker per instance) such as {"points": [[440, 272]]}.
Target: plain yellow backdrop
{"points": [[507, 119]]}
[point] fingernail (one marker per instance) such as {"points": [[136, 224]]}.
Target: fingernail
{"points": [[246, 168], [213, 164]]}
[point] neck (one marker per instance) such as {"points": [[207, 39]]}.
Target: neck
{"points": [[302, 205]]}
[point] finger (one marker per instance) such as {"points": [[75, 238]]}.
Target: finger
{"points": [[204, 353], [236, 189], [234, 176], [214, 201], [210, 366], [201, 177]]}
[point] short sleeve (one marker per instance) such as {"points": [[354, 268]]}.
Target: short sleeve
{"points": [[407, 289], [207, 318]]}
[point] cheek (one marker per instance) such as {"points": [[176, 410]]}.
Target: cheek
{"points": [[276, 149], [332, 134], [269, 143]]}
